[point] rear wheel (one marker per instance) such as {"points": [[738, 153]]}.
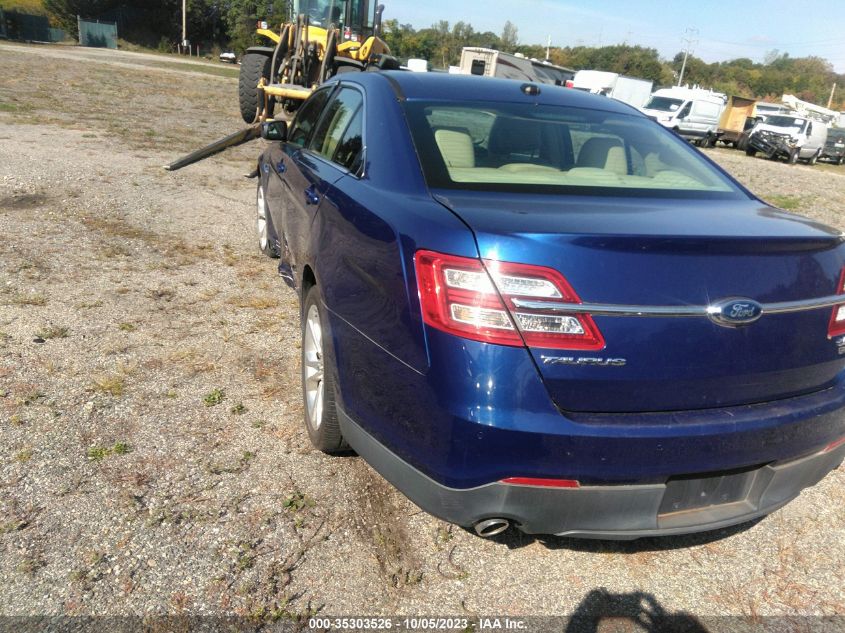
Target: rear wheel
{"points": [[254, 66], [749, 151], [793, 156], [840, 160], [317, 385], [814, 158]]}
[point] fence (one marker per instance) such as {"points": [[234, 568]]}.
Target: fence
{"points": [[97, 34], [15, 25]]}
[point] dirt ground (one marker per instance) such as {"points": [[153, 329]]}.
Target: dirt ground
{"points": [[152, 455]]}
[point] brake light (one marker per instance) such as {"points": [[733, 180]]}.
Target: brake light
{"points": [[542, 483], [458, 296], [837, 319]]}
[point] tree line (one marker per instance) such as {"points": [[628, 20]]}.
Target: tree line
{"points": [[231, 24], [808, 78]]}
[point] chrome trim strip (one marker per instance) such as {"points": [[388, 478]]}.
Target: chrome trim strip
{"points": [[606, 309]]}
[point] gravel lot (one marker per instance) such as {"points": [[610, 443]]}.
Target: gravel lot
{"points": [[152, 459]]}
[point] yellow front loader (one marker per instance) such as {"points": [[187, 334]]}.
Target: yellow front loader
{"points": [[327, 37]]}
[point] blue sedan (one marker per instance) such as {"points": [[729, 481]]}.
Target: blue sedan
{"points": [[526, 305]]}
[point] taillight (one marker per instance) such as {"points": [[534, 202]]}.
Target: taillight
{"points": [[837, 319], [458, 296]]}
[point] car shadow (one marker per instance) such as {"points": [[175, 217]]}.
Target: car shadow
{"points": [[514, 539], [635, 611]]}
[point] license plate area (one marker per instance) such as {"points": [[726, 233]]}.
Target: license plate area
{"points": [[711, 498]]}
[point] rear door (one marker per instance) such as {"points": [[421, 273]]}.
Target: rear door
{"points": [[312, 171]]}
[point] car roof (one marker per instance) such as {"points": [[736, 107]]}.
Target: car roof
{"points": [[436, 86]]}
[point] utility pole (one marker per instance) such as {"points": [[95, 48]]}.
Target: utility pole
{"points": [[832, 90], [549, 48], [185, 24], [689, 32]]}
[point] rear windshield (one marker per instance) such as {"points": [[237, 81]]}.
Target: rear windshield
{"points": [[531, 148]]}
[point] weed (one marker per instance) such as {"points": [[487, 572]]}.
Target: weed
{"points": [[171, 393], [24, 456], [53, 331], [214, 397], [126, 327], [29, 565], [238, 409], [31, 397], [13, 526], [28, 300], [298, 501], [255, 303], [259, 424], [99, 453], [16, 420], [112, 385]]}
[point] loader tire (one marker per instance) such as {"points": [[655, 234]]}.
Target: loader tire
{"points": [[254, 66]]}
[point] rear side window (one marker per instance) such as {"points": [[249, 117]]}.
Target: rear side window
{"points": [[350, 149], [523, 147], [340, 113], [307, 117]]}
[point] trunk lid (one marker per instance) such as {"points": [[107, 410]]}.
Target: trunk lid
{"points": [[644, 252]]}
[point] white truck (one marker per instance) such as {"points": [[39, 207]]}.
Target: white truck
{"points": [[692, 113], [630, 90], [488, 62]]}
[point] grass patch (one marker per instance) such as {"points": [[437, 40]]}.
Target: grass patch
{"points": [[238, 409], [214, 397], [255, 303], [53, 331], [126, 327], [8, 107], [28, 300], [99, 453], [112, 385], [788, 203]]}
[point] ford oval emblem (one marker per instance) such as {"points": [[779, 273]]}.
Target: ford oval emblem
{"points": [[734, 312]]}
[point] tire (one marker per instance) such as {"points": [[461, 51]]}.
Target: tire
{"points": [[742, 143], [814, 158], [749, 151], [254, 66], [317, 382], [840, 160], [706, 142], [793, 156], [267, 237]]}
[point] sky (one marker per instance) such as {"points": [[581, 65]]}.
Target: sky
{"points": [[719, 30]]}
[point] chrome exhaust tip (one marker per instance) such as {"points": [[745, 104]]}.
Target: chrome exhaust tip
{"points": [[491, 527]]}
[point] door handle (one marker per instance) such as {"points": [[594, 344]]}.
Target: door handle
{"points": [[311, 196]]}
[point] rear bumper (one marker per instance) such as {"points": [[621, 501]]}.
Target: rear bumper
{"points": [[620, 512]]}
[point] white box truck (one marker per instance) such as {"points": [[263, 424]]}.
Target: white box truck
{"points": [[630, 90]]}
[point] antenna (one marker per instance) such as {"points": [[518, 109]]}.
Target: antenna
{"points": [[688, 32]]}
